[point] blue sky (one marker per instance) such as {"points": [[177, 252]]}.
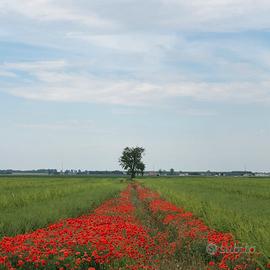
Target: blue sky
{"points": [[188, 80]]}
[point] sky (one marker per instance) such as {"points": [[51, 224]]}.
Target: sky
{"points": [[187, 80]]}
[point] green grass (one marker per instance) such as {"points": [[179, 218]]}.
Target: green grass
{"points": [[28, 203], [237, 205]]}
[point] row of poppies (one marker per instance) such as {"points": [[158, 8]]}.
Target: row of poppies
{"points": [[109, 238]]}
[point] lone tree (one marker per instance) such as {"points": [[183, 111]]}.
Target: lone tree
{"points": [[131, 160]]}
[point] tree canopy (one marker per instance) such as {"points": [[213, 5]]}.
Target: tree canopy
{"points": [[131, 160]]}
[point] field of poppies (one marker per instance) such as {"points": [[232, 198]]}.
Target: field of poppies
{"points": [[137, 229]]}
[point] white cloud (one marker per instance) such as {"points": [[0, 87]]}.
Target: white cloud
{"points": [[4, 73], [152, 16], [217, 15], [137, 52], [35, 66], [53, 83], [127, 42], [48, 10]]}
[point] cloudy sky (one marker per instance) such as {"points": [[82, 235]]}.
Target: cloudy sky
{"points": [[188, 80]]}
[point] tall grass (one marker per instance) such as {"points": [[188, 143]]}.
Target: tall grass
{"points": [[28, 203], [237, 205]]}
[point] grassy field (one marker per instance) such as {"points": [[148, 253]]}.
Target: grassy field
{"points": [[28, 203], [237, 205]]}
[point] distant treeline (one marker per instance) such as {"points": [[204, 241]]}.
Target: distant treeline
{"points": [[164, 173], [171, 172], [39, 171], [168, 173], [56, 172]]}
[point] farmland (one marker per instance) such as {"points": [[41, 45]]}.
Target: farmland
{"points": [[150, 223], [28, 203], [237, 205]]}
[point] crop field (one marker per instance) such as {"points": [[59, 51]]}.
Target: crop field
{"points": [[237, 205], [28, 203], [150, 223]]}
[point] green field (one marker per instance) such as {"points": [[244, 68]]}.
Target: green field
{"points": [[237, 205], [28, 203]]}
